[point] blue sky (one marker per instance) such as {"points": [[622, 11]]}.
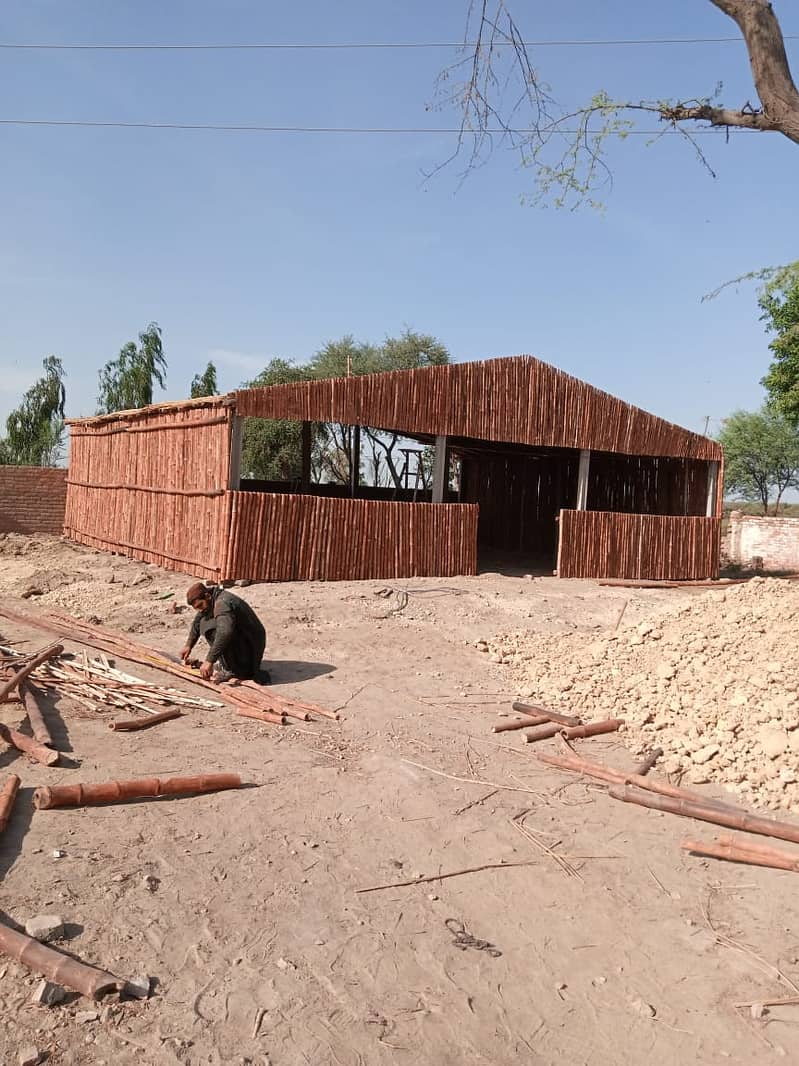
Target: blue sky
{"points": [[248, 246]]}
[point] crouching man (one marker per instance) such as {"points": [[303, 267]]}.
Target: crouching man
{"points": [[234, 632]]}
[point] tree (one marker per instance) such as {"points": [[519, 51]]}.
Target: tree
{"points": [[761, 456], [503, 90], [779, 305], [127, 382], [271, 448], [35, 430], [204, 384]]}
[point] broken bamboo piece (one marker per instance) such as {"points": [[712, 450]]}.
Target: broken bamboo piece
{"points": [[130, 724], [7, 796], [46, 756], [60, 969], [643, 767], [731, 817], [519, 723], [32, 698], [51, 652], [263, 716], [45, 799], [551, 716], [733, 851], [578, 732]]}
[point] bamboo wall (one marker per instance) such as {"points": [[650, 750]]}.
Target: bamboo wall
{"points": [[644, 484], [604, 544], [519, 400], [152, 484], [278, 537]]}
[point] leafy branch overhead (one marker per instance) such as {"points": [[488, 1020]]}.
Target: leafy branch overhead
{"points": [[502, 97]]}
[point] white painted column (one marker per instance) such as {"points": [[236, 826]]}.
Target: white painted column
{"points": [[582, 480], [440, 470], [712, 487], [236, 434]]}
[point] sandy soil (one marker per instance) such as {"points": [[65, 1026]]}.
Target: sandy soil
{"points": [[260, 948]]}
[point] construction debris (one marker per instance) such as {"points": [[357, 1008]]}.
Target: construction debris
{"points": [[45, 927], [45, 799], [47, 994]]}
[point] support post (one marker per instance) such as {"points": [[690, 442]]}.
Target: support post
{"points": [[236, 434], [712, 487], [440, 470], [305, 451], [582, 480], [355, 460]]}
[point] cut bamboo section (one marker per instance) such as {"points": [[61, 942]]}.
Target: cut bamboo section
{"points": [[263, 716], [60, 969], [578, 732], [7, 796], [536, 710], [133, 724], [733, 851], [32, 699], [38, 752], [7, 687], [45, 799]]}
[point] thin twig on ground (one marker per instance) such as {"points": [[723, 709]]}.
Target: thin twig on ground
{"points": [[452, 873]]}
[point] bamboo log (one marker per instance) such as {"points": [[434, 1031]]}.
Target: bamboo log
{"points": [[60, 969], [46, 756], [131, 724], [262, 716], [535, 710], [730, 817], [48, 653], [7, 796], [735, 852], [32, 698], [643, 768], [519, 723], [578, 732], [45, 799]]}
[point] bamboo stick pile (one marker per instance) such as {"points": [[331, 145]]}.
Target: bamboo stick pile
{"points": [[519, 399], [243, 695], [151, 484], [281, 537], [650, 547]]}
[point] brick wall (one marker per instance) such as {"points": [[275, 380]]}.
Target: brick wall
{"points": [[772, 543], [32, 499]]}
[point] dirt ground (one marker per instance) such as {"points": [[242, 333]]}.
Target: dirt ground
{"points": [[260, 947]]}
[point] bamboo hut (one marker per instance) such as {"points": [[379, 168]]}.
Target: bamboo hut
{"points": [[551, 473]]}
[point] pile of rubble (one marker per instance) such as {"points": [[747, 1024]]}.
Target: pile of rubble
{"points": [[712, 682]]}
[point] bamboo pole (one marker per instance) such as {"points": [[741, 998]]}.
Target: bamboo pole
{"points": [[734, 852], [536, 710], [519, 723], [32, 699], [730, 817], [144, 723], [58, 968], [7, 796], [45, 799], [263, 716], [48, 653]]}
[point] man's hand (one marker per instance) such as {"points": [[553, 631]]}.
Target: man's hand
{"points": [[185, 652], [206, 670]]}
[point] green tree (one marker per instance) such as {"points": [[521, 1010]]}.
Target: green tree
{"points": [[127, 382], [761, 456], [35, 430], [271, 448], [501, 95], [204, 384], [779, 305]]}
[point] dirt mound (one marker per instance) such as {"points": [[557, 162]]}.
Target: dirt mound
{"points": [[712, 682]]}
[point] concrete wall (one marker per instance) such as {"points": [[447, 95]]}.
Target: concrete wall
{"points": [[754, 540], [32, 499]]}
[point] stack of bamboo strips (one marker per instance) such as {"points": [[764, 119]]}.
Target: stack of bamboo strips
{"points": [[281, 537], [246, 696], [651, 547], [518, 399], [151, 484]]}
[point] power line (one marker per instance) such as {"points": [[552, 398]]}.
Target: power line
{"points": [[366, 45], [219, 127]]}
